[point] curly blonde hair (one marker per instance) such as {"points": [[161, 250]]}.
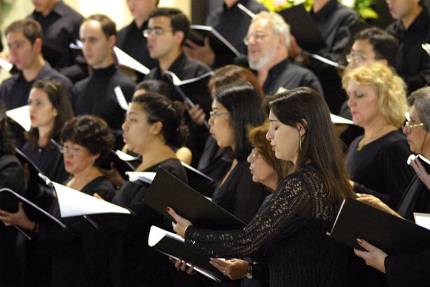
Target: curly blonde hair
{"points": [[390, 89]]}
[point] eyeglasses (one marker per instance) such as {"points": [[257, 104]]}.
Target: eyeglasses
{"points": [[355, 58], [70, 150], [258, 37], [154, 31], [215, 114], [409, 123]]}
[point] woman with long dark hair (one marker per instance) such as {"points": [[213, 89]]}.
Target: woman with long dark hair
{"points": [[293, 224]]}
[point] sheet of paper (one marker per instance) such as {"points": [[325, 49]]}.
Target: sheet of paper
{"points": [[147, 177], [76, 203], [422, 219], [121, 98], [124, 156], [21, 116], [4, 64], [340, 120], [126, 60]]}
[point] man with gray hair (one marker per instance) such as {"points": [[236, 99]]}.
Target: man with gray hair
{"points": [[268, 40]]}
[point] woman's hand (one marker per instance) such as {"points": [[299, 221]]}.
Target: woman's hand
{"points": [[181, 224], [421, 172], [18, 218], [373, 256], [181, 265], [232, 268]]}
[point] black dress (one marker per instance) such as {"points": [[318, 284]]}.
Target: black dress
{"points": [[380, 167], [80, 253], [292, 226], [11, 247], [238, 194], [134, 262]]}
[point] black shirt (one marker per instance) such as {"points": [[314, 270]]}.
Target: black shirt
{"points": [[95, 95], [414, 62], [335, 21], [11, 250], [60, 29], [131, 41], [288, 75], [380, 167], [239, 194], [14, 91], [48, 159], [233, 23], [136, 264], [186, 68]]}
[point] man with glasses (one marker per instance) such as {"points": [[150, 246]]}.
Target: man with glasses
{"points": [[167, 31], [95, 94], [268, 40], [373, 44]]}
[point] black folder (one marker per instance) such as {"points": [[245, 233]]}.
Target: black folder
{"points": [[392, 234], [168, 190], [199, 181], [303, 28], [219, 44], [172, 245]]}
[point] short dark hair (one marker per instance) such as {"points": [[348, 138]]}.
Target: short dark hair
{"points": [[245, 106], [320, 146], [59, 99], [159, 108], [178, 20], [30, 28], [385, 46], [107, 24], [90, 132]]}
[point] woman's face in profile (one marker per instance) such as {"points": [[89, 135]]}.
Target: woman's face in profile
{"points": [[42, 112], [260, 169], [220, 125], [136, 129], [363, 102]]}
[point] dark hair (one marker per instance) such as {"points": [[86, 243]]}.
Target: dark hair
{"points": [[257, 137], [108, 26], [421, 100], [244, 105], [178, 20], [155, 86], [320, 146], [230, 74], [385, 46], [159, 108], [30, 28], [90, 132], [6, 138], [59, 99]]}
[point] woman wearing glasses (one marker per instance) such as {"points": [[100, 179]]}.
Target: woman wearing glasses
{"points": [[293, 224], [376, 161], [408, 269], [50, 108]]}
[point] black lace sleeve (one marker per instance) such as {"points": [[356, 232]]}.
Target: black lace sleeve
{"points": [[281, 217]]}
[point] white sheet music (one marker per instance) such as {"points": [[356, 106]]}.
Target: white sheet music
{"points": [[422, 219], [76, 203], [5, 64], [21, 116], [147, 177], [121, 98], [126, 60]]}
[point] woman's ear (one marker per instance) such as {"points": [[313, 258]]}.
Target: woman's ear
{"points": [[156, 128], [95, 157], [302, 127]]}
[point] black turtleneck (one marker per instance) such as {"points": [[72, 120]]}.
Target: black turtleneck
{"points": [[95, 95], [131, 41]]}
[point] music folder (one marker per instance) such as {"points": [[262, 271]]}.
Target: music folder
{"points": [[168, 190], [425, 162], [392, 234], [303, 28], [219, 44], [199, 181]]}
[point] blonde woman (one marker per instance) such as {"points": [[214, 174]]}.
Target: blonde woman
{"points": [[376, 161]]}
